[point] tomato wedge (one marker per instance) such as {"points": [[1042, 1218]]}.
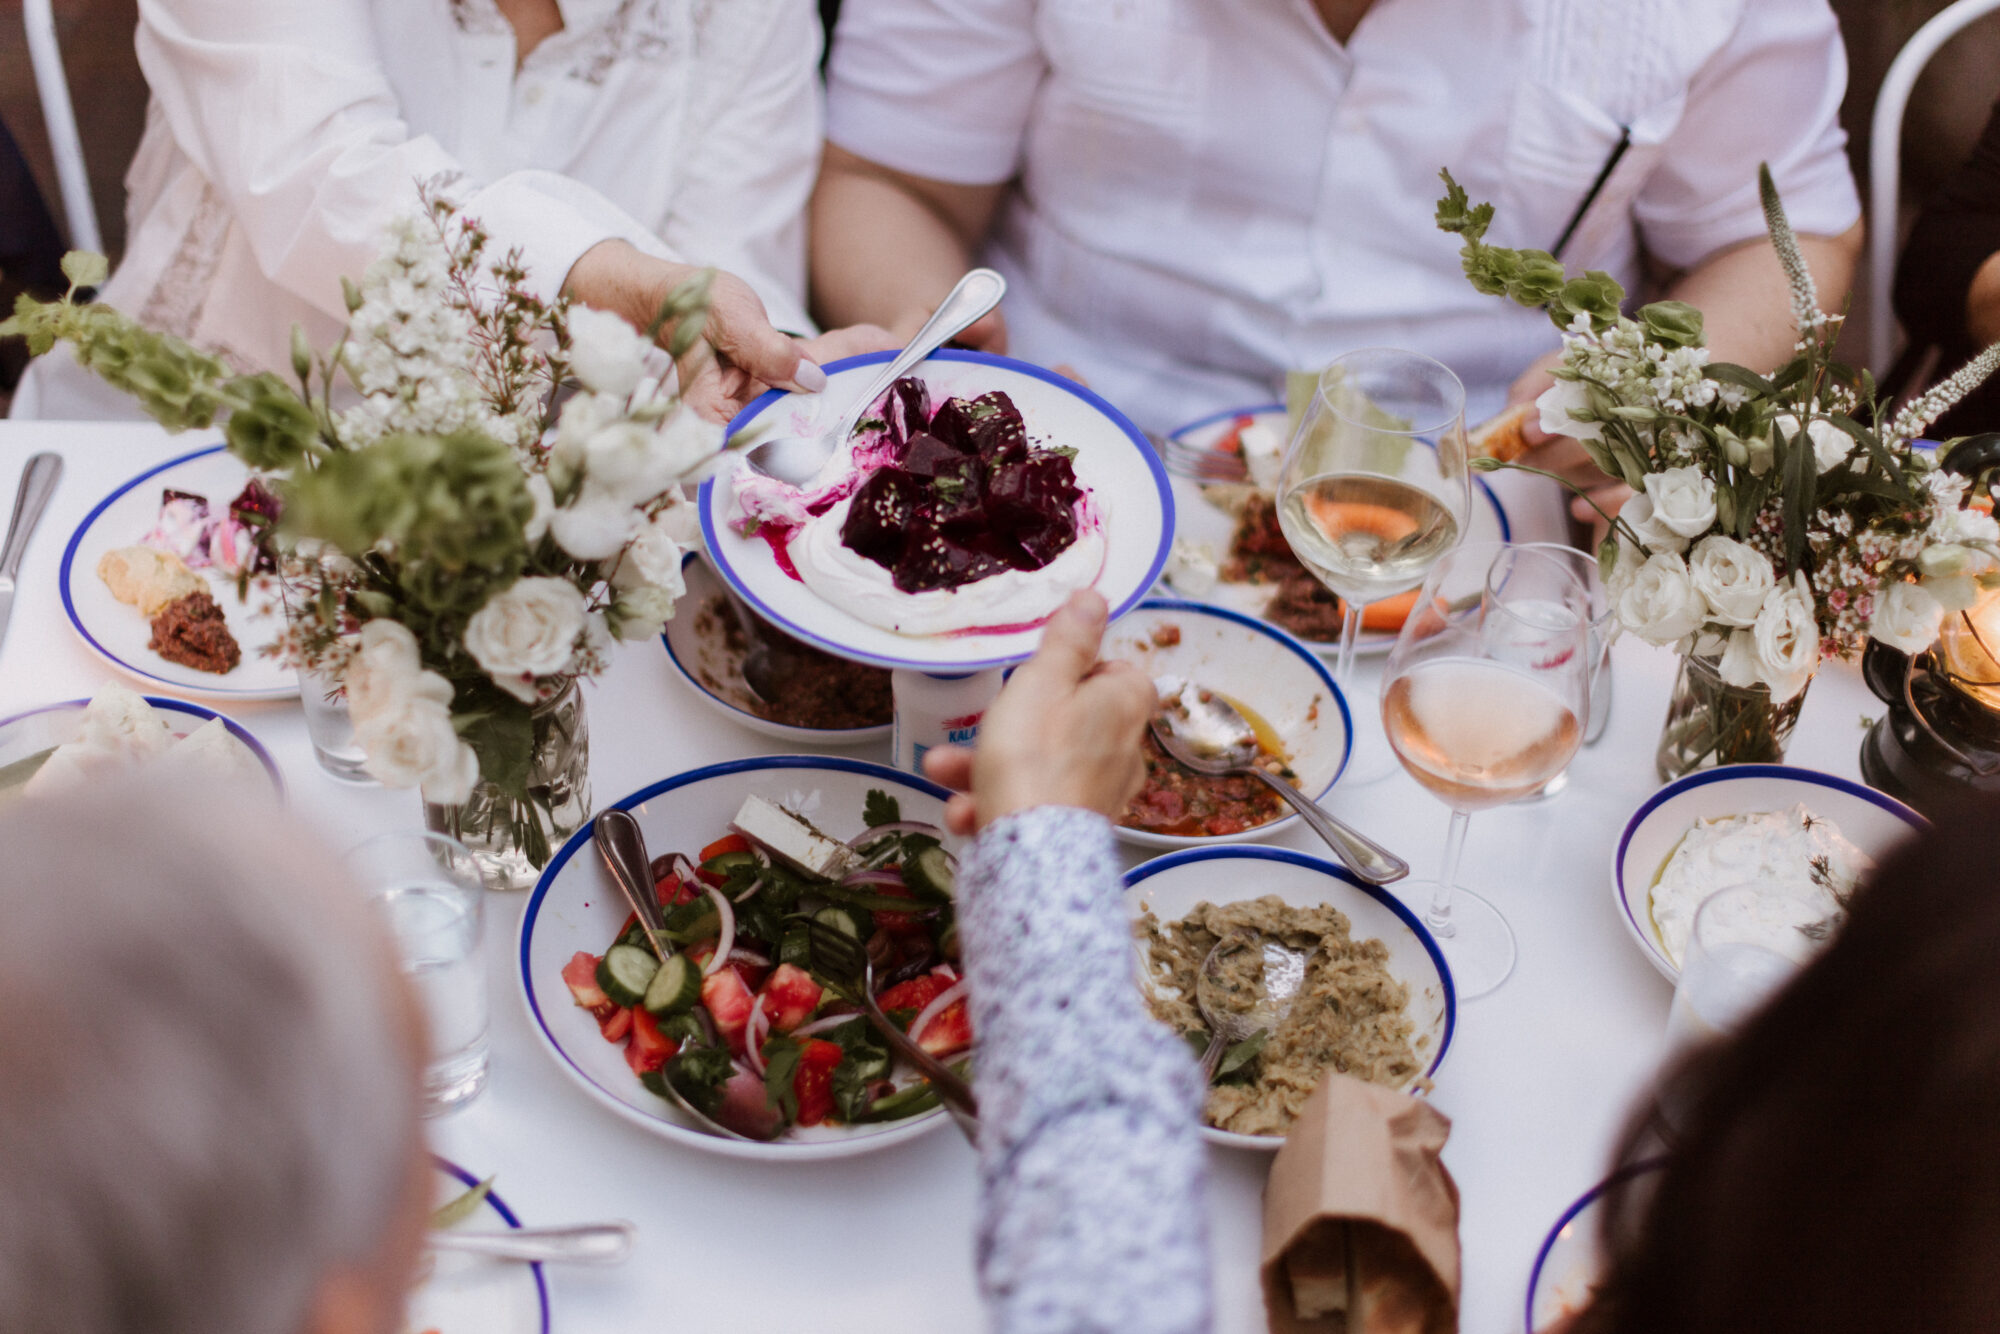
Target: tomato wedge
{"points": [[814, 1081], [580, 975], [648, 1048], [723, 846]]}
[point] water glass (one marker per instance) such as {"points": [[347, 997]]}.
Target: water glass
{"points": [[427, 888], [1737, 958], [1602, 623], [330, 728]]}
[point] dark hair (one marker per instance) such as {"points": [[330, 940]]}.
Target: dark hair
{"points": [[1836, 1165]]}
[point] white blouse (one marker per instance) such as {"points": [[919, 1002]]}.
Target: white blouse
{"points": [[283, 136], [1208, 192]]}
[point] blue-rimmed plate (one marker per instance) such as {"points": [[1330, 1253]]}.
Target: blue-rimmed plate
{"points": [[1203, 523], [1173, 885], [464, 1293], [37, 730], [576, 907], [697, 645], [1571, 1259], [1260, 668], [1113, 460], [119, 634], [1870, 820]]}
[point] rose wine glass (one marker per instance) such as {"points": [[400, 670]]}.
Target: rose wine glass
{"points": [[1484, 699], [1373, 490]]}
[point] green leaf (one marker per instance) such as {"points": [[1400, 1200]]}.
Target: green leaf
{"points": [[698, 1074], [1456, 213], [781, 1066], [1241, 1054], [879, 808], [456, 1210], [1728, 372], [1800, 476], [1674, 323], [85, 268], [503, 737]]}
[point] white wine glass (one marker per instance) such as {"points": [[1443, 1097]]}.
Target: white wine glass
{"points": [[1484, 699], [1373, 490]]}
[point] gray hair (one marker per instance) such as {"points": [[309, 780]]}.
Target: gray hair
{"points": [[207, 1091]]}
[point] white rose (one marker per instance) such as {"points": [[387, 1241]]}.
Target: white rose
{"points": [[1738, 666], [529, 630], [387, 669], [680, 520], [654, 558], [594, 525], [1560, 403], [1787, 638], [1907, 617], [1966, 527], [1830, 444], [412, 743], [1954, 593], [642, 612], [1683, 500], [1637, 514], [1733, 577], [582, 417], [1659, 602], [607, 354], [545, 507], [688, 441]]}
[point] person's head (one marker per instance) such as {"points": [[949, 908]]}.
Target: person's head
{"points": [[208, 1078], [1836, 1165]]}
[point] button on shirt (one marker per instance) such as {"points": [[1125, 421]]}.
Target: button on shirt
{"points": [[284, 136], [1209, 192]]}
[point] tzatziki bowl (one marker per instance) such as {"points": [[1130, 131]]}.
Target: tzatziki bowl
{"points": [[805, 571], [1871, 821]]}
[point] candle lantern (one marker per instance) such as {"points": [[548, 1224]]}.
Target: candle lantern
{"points": [[1940, 738]]}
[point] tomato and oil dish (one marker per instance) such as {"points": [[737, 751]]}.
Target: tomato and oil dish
{"points": [[737, 1019]]}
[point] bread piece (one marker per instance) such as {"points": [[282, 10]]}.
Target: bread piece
{"points": [[147, 578], [1391, 1290], [1503, 437], [1316, 1265]]}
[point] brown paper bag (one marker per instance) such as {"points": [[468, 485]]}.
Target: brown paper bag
{"points": [[1361, 1217]]}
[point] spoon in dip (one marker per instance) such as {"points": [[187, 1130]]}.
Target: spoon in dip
{"points": [[1206, 733], [1220, 997], [796, 460]]}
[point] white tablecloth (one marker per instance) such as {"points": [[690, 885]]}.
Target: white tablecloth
{"points": [[1537, 1083]]}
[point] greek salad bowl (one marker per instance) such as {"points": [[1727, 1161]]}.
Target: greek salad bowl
{"points": [[720, 1022], [1873, 821], [1271, 677]]}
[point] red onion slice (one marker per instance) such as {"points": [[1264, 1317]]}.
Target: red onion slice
{"points": [[938, 1006], [727, 941], [753, 1036], [742, 955], [868, 836], [862, 878], [751, 893], [822, 1024]]}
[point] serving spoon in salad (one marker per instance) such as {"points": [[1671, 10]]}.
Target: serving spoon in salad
{"points": [[1209, 735], [1284, 969], [796, 460]]}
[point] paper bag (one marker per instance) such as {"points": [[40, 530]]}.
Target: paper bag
{"points": [[1361, 1217]]}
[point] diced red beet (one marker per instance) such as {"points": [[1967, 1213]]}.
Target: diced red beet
{"points": [[928, 456], [878, 521], [907, 407]]}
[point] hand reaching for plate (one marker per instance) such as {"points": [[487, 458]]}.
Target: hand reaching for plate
{"points": [[1563, 456], [1064, 732]]}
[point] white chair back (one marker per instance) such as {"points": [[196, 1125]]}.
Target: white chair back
{"points": [[1885, 167], [64, 143]]}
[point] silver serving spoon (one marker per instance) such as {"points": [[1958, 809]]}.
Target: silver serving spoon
{"points": [[1205, 732], [797, 459], [581, 1244], [624, 850], [1284, 971]]}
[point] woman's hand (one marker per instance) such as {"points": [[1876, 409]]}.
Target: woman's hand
{"points": [[1064, 732], [739, 354], [853, 341], [1564, 456]]}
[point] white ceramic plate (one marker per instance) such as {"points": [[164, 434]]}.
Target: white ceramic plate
{"points": [[576, 907], [716, 675], [1203, 524], [1172, 885], [37, 730], [118, 633], [474, 1294], [1872, 821], [1113, 460], [1571, 1258], [1256, 665]]}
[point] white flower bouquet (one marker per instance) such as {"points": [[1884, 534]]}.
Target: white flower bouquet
{"points": [[457, 550]]}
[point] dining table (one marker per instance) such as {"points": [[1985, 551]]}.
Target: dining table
{"points": [[1542, 1076]]}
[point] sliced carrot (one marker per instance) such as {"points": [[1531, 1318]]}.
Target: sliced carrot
{"points": [[1389, 613]]}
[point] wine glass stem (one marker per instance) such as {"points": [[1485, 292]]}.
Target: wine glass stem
{"points": [[1439, 917], [1350, 632]]}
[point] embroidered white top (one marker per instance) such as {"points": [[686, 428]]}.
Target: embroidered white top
{"points": [[283, 135], [1208, 193]]}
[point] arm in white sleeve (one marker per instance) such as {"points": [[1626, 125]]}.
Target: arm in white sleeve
{"points": [[284, 109], [1092, 1214]]}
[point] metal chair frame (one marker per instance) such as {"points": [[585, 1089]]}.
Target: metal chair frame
{"points": [[66, 145]]}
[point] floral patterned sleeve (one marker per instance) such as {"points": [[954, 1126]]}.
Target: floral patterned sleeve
{"points": [[1090, 1160]]}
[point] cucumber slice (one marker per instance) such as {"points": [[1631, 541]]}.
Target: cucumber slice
{"points": [[855, 923], [685, 1029], [625, 972], [929, 872], [675, 986], [723, 863], [796, 946]]}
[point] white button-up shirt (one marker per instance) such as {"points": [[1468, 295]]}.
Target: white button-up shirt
{"points": [[1208, 192], [283, 136]]}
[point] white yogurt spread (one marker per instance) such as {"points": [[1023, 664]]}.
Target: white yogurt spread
{"points": [[1776, 851], [868, 591]]}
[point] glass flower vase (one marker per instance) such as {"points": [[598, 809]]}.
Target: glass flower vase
{"points": [[512, 840], [1711, 723]]}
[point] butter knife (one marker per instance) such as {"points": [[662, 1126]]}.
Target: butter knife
{"points": [[38, 483]]}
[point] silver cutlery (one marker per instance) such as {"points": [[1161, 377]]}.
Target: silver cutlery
{"points": [[1284, 971], [798, 459], [1205, 732], [38, 483], [1199, 462], [580, 1244]]}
